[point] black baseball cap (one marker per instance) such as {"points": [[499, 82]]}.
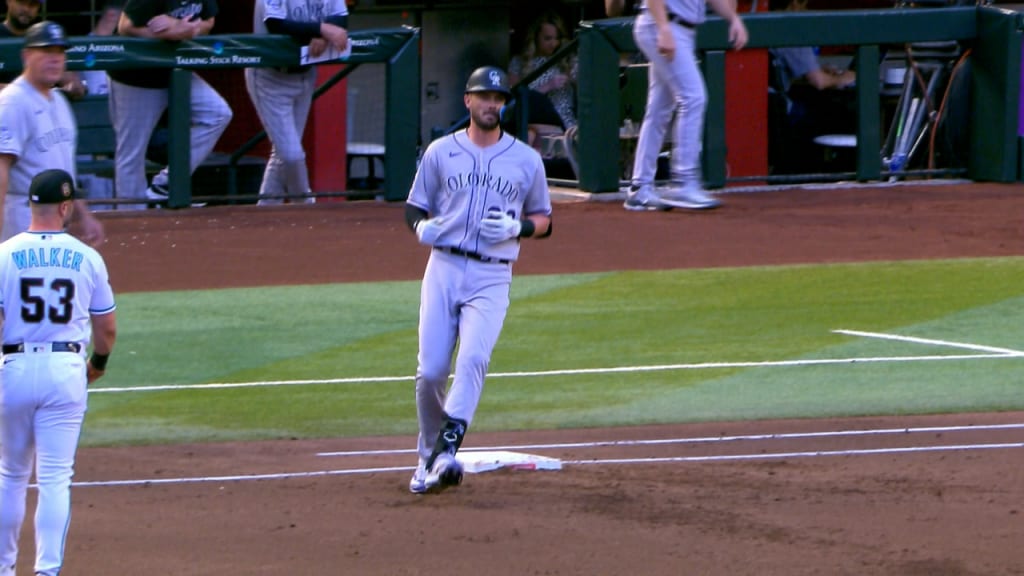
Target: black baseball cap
{"points": [[51, 187], [46, 33]]}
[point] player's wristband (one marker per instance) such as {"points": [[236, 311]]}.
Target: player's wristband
{"points": [[527, 229], [99, 361]]}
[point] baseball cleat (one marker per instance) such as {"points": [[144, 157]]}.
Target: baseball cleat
{"points": [[446, 472], [418, 482], [642, 200], [691, 198]]}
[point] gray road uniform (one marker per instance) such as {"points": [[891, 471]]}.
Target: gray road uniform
{"points": [[40, 131], [282, 96], [465, 290]]}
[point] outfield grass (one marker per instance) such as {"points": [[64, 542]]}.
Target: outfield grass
{"points": [[682, 318]]}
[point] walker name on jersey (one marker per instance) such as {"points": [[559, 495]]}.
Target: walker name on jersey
{"points": [[54, 137], [490, 182], [48, 258]]}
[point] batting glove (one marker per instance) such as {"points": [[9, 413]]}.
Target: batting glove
{"points": [[500, 227], [429, 230]]}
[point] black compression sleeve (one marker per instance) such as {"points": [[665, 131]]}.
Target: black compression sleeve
{"points": [[301, 31], [413, 214], [341, 21]]}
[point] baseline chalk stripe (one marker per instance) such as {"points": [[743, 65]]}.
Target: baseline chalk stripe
{"points": [[929, 341]]}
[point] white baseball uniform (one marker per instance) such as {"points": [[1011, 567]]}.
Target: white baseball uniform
{"points": [[50, 285], [465, 290], [40, 131], [282, 98]]}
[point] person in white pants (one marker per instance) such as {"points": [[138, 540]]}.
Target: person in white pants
{"points": [[666, 33], [282, 96], [138, 98], [55, 298]]}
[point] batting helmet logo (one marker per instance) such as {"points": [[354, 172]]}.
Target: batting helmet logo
{"points": [[489, 79]]}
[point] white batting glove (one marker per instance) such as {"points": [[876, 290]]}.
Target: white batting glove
{"points": [[500, 227], [428, 230]]}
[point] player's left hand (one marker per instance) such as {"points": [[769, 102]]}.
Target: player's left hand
{"points": [[92, 374], [498, 227]]}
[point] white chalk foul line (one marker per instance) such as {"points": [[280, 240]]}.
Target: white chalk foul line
{"points": [[700, 440], [567, 372], [930, 341], [359, 471], [763, 456]]}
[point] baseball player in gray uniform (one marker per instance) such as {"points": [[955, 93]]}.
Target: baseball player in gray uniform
{"points": [[476, 193], [282, 96], [666, 33], [38, 131], [55, 298]]}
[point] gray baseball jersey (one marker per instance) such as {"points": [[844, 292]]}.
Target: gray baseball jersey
{"points": [[297, 10], [461, 183], [41, 133]]}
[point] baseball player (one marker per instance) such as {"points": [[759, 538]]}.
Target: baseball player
{"points": [[666, 33], [139, 97], [476, 193], [38, 132], [55, 297], [282, 96]]}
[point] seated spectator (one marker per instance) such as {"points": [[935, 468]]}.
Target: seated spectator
{"points": [[816, 97], [543, 38], [139, 97]]}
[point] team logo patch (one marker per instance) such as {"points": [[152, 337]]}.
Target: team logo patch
{"points": [[495, 78], [65, 189]]}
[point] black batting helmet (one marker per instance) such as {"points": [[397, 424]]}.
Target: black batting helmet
{"points": [[489, 79], [46, 33]]}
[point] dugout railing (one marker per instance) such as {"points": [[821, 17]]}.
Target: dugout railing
{"points": [[396, 48], [995, 35]]}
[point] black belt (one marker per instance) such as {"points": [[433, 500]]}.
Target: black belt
{"points": [[53, 347], [294, 69], [676, 19], [473, 255]]}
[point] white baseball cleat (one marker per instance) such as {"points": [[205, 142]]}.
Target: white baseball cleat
{"points": [[642, 199], [691, 197]]}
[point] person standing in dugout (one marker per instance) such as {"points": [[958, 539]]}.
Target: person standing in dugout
{"points": [[477, 192], [138, 97], [666, 33], [38, 132], [55, 298], [282, 96]]}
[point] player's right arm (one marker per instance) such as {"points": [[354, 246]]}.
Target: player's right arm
{"points": [[163, 27]]}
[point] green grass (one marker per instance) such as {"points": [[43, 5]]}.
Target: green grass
{"points": [[570, 322]]}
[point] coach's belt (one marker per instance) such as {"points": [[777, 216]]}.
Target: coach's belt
{"points": [[294, 69], [42, 347], [677, 19], [472, 255]]}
